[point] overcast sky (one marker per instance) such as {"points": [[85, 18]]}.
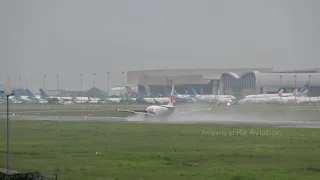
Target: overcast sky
{"points": [[69, 37]]}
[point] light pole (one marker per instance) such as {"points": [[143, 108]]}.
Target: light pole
{"points": [[122, 78], [7, 140], [309, 87], [94, 80], [295, 81], [108, 81], [31, 82], [57, 83], [281, 87], [81, 85], [44, 81], [295, 84], [123, 81]]}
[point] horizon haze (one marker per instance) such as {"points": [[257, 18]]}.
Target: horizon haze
{"points": [[76, 36]]}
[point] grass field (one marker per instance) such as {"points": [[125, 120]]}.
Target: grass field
{"points": [[157, 152]]}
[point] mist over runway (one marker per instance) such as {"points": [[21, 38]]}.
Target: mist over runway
{"points": [[279, 116], [176, 120]]}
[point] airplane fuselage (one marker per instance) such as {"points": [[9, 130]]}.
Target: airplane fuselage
{"points": [[159, 110]]}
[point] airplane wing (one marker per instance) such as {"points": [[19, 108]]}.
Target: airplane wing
{"points": [[141, 112], [157, 102], [166, 106]]}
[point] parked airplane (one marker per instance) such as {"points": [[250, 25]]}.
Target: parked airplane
{"points": [[146, 100], [51, 99], [24, 99], [34, 98], [158, 110], [298, 97], [260, 98], [280, 93], [305, 100], [79, 101], [3, 97], [186, 97], [219, 99], [284, 100]]}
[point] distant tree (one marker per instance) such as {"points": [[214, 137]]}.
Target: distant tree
{"points": [[94, 92]]}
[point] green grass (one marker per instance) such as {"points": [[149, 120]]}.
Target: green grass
{"points": [[158, 152]]}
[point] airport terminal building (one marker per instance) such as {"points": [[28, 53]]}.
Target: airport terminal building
{"points": [[238, 81]]}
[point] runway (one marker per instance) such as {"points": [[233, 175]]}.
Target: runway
{"points": [[176, 120]]}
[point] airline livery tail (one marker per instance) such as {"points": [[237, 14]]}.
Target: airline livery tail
{"points": [[171, 97], [2, 94], [30, 94], [192, 91], [43, 94], [130, 91], [303, 91], [280, 93], [16, 94], [294, 93]]}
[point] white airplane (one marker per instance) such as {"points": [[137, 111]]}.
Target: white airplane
{"points": [[159, 110], [148, 100], [34, 98], [55, 99], [260, 98], [296, 97], [93, 100], [79, 100], [220, 99], [17, 97], [305, 100], [3, 97], [280, 93]]}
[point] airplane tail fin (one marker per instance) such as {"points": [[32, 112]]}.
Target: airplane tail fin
{"points": [[294, 93], [74, 97], [175, 93], [148, 90], [16, 94], [192, 91], [130, 91], [2, 94], [302, 90], [280, 93], [171, 97], [305, 92], [43, 94], [30, 94]]}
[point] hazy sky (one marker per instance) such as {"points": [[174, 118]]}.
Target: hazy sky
{"points": [[69, 37]]}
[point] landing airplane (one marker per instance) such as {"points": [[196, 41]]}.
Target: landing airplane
{"points": [[158, 110]]}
